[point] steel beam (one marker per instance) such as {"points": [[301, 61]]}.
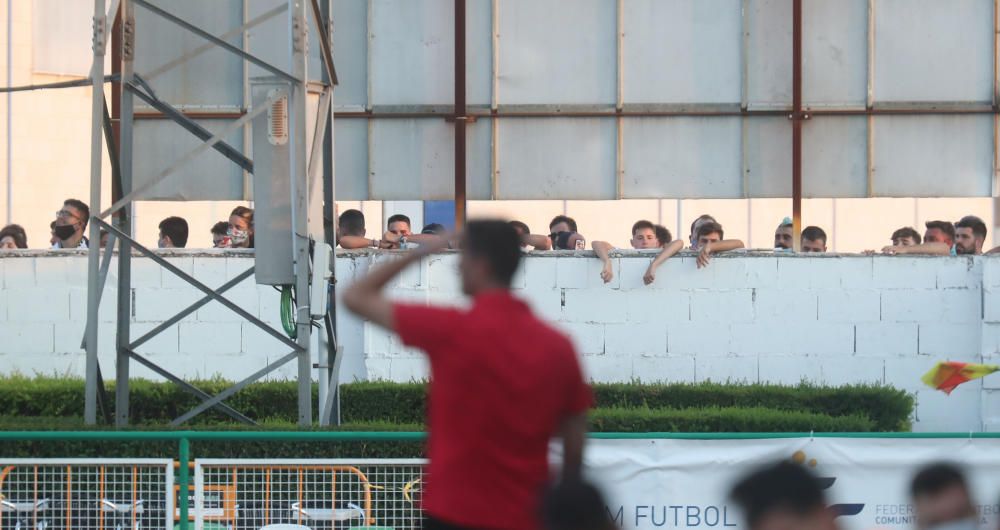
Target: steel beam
{"points": [[123, 333], [102, 280], [797, 117], [324, 42], [461, 119]]}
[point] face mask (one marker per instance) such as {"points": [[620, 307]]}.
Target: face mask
{"points": [[64, 232], [238, 236], [962, 524]]}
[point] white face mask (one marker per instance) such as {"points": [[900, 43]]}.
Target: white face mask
{"points": [[968, 523], [237, 236]]}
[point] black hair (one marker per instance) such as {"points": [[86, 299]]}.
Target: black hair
{"points": [[935, 478], [399, 218], [710, 227], [575, 505], [563, 219], [702, 217], [907, 231], [434, 228], [814, 233], [176, 228], [17, 233], [642, 224], [976, 224], [520, 226], [498, 243], [663, 235], [784, 487], [944, 226], [352, 223], [82, 206], [220, 228]]}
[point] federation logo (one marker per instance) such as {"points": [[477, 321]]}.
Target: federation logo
{"points": [[839, 510]]}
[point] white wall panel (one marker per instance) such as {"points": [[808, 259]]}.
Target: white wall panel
{"points": [[769, 53], [412, 52], [350, 52], [835, 157], [209, 176], [768, 158], [351, 156], [834, 52]]}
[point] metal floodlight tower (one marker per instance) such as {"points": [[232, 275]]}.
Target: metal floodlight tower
{"points": [[288, 199]]}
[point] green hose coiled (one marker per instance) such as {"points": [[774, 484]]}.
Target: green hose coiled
{"points": [[288, 312]]}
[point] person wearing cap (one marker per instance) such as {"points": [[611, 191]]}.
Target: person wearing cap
{"points": [[783, 235]]}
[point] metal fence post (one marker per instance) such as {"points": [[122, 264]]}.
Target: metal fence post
{"points": [[184, 480]]}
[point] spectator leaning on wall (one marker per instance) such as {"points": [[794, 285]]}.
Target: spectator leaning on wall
{"points": [[939, 240], [813, 239], [69, 225], [220, 235], [970, 236], [13, 237], [241, 228]]}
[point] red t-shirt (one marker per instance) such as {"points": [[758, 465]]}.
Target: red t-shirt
{"points": [[501, 382]]}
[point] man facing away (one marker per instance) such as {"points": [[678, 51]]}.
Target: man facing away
{"points": [[783, 496], [496, 400]]}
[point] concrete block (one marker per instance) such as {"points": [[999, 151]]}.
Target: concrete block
{"points": [[935, 410], [886, 339], [593, 274], [3, 305], [443, 275], [571, 272], [145, 273], [235, 264], [801, 338], [726, 369], [607, 369], [991, 382], [789, 369], [39, 304], [931, 305], [822, 273], [891, 272], [107, 312], [631, 271], [173, 281], [246, 365], [67, 337], [545, 303], [586, 338], [415, 369], [243, 295], [990, 336], [850, 305], [414, 276], [165, 342], [61, 271], [699, 338], [210, 271], [991, 272], [378, 341], [157, 304], [635, 339], [256, 341], [379, 369], [742, 273], [991, 304], [210, 338], [27, 337], [683, 273], [955, 342], [724, 306], [659, 306], [539, 273], [268, 304], [19, 272], [595, 305], [785, 305], [960, 273], [658, 369], [50, 364], [857, 370]]}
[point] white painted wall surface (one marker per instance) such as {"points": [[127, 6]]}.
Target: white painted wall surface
{"points": [[832, 320]]}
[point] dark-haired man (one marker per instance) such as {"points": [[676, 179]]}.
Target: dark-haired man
{"points": [[695, 225], [970, 235], [399, 225], [173, 233], [939, 240], [644, 237], [71, 221], [906, 237], [351, 231], [220, 235], [711, 240], [783, 496], [536, 241], [941, 499], [562, 223], [495, 398], [813, 239], [783, 235]]}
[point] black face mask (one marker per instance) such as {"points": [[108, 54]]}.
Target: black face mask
{"points": [[64, 232]]}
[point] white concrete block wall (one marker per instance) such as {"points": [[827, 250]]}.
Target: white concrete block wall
{"points": [[747, 317]]}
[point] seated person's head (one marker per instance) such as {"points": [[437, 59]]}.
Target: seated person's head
{"points": [[970, 234], [644, 235], [437, 229], [13, 237], [696, 224], [241, 227], [783, 235], [220, 235], [663, 236], [905, 237], [351, 223], [575, 505], [173, 233], [939, 232], [562, 223], [566, 240], [709, 232], [941, 498], [813, 239], [491, 253], [521, 229], [399, 224], [784, 496]]}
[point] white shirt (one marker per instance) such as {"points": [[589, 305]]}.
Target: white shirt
{"points": [[83, 244]]}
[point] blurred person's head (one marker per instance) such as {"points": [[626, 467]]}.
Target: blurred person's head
{"points": [[783, 234], [813, 239], [71, 221], [562, 223], [351, 223], [941, 499], [575, 505], [566, 240], [970, 235], [702, 219], [905, 237], [220, 235], [644, 235], [783, 496], [491, 252], [709, 232], [437, 229], [13, 237], [939, 232], [663, 235], [173, 233], [241, 227], [521, 229], [399, 224]]}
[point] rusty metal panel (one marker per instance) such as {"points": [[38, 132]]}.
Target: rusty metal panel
{"points": [[350, 53], [834, 53], [933, 156], [769, 54], [351, 156], [553, 53], [835, 157], [768, 164], [682, 158], [556, 158], [929, 50], [682, 51], [209, 176]]}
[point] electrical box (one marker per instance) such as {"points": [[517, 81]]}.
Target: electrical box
{"points": [[272, 185]]}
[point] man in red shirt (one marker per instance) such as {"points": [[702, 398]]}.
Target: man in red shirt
{"points": [[496, 397]]}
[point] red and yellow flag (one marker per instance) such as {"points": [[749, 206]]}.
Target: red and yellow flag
{"points": [[945, 376]]}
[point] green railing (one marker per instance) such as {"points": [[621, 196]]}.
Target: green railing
{"points": [[184, 439]]}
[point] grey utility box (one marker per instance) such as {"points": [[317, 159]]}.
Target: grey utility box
{"points": [[272, 186]]}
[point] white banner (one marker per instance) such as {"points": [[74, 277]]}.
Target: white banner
{"points": [[668, 483]]}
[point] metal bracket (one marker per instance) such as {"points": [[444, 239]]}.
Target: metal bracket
{"points": [[100, 35], [300, 35], [128, 39]]}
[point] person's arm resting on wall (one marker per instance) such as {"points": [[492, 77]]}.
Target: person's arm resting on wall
{"points": [[714, 248], [669, 250], [354, 242], [603, 249], [930, 249], [537, 242]]}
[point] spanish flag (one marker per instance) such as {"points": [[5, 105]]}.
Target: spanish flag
{"points": [[945, 376]]}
